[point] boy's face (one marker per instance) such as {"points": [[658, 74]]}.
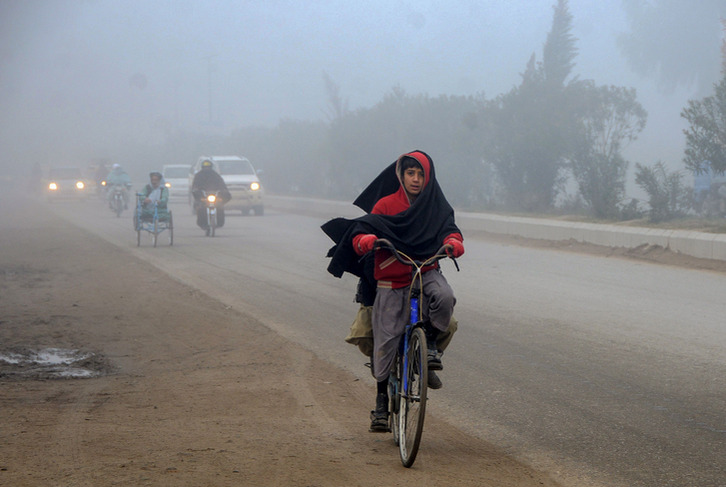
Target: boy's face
{"points": [[413, 180]]}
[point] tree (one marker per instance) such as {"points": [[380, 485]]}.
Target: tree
{"points": [[706, 134], [559, 50], [665, 34], [529, 128], [362, 142], [337, 105], [611, 118]]}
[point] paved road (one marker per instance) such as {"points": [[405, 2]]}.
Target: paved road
{"points": [[607, 371]]}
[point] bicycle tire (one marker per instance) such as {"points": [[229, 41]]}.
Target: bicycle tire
{"points": [[171, 229], [394, 399], [413, 399], [155, 234]]}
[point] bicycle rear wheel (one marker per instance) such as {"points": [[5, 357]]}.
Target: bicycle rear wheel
{"points": [[413, 398], [170, 226]]}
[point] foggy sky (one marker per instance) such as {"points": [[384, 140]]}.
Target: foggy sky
{"points": [[83, 78]]}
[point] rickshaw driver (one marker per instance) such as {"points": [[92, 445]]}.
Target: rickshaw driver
{"points": [[157, 194]]}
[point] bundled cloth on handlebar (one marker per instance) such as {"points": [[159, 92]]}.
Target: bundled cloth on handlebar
{"points": [[418, 231]]}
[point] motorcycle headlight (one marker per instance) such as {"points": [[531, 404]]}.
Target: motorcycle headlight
{"points": [[80, 185], [52, 186], [211, 198], [103, 183], [255, 186]]}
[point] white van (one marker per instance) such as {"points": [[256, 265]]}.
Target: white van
{"points": [[241, 180], [176, 178]]}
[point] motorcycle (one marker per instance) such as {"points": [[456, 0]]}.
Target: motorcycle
{"points": [[117, 198], [211, 201], [101, 189]]}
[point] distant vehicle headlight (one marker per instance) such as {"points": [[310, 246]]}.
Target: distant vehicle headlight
{"points": [[255, 186], [168, 185], [80, 185], [103, 183], [52, 186]]}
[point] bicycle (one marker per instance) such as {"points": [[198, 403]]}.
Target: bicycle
{"points": [[408, 380], [155, 225]]}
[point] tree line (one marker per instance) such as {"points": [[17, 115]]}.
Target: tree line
{"points": [[515, 152]]}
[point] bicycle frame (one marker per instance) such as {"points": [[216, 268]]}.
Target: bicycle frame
{"points": [[414, 297], [403, 394]]}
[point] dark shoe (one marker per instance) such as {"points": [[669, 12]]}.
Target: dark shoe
{"points": [[434, 359], [434, 381], [379, 416]]}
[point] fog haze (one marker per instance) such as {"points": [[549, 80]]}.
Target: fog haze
{"points": [[84, 79]]}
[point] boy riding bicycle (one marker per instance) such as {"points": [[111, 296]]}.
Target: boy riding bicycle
{"points": [[408, 208]]}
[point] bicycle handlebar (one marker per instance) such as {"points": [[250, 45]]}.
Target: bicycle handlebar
{"points": [[383, 243]]}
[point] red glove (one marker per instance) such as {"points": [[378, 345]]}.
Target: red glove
{"points": [[364, 242], [457, 247]]}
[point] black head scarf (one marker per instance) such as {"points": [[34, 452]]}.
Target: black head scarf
{"points": [[418, 231]]}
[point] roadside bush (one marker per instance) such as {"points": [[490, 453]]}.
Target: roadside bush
{"points": [[668, 196], [631, 210]]}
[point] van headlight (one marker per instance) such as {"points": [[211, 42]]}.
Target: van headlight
{"points": [[255, 186], [80, 185], [52, 186]]}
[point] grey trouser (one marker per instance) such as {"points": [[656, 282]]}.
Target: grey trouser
{"points": [[391, 313]]}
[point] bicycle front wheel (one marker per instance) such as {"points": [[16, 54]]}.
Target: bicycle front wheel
{"points": [[413, 397], [394, 395]]}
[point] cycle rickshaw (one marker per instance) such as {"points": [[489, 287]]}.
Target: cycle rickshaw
{"points": [[154, 223]]}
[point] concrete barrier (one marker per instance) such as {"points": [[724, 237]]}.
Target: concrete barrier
{"points": [[696, 244]]}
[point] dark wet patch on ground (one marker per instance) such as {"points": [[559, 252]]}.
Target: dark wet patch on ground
{"points": [[52, 363]]}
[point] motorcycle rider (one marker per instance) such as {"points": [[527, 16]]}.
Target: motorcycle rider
{"points": [[99, 176], [207, 180], [155, 193], [118, 177]]}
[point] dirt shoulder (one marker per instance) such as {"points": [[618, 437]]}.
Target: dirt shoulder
{"points": [[188, 392]]}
